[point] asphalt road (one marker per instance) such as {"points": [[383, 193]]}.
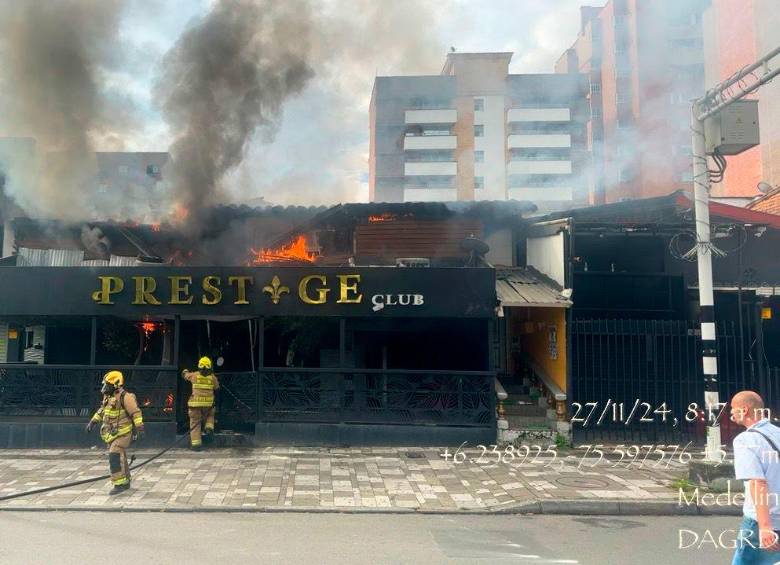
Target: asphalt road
{"points": [[83, 538]]}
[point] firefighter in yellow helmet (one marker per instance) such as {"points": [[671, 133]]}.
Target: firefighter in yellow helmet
{"points": [[201, 402], [120, 422]]}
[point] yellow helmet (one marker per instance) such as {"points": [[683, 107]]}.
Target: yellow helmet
{"points": [[204, 363], [115, 378]]}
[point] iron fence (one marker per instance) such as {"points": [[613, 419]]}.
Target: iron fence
{"points": [[642, 380], [462, 398], [69, 391]]}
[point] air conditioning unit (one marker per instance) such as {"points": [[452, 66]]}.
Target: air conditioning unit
{"points": [[412, 262]]}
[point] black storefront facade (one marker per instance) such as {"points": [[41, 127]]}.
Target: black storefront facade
{"points": [[312, 355]]}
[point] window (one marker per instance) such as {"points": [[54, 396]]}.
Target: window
{"points": [[595, 88], [479, 156], [29, 339], [152, 170], [479, 131], [429, 156], [479, 182], [479, 104]]}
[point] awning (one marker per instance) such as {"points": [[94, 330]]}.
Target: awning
{"points": [[525, 286]]}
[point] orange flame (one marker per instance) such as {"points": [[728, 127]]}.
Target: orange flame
{"points": [[296, 251], [385, 217], [147, 402], [155, 227], [180, 212], [168, 403], [148, 328]]}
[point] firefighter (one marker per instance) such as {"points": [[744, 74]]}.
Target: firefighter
{"points": [[121, 422], [201, 402]]}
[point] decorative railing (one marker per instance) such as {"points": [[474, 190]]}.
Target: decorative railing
{"points": [[379, 396], [73, 391], [454, 398]]}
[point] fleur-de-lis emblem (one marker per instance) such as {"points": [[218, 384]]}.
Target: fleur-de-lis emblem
{"points": [[276, 289]]}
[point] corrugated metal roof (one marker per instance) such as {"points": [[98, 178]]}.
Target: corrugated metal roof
{"points": [[68, 258], [50, 257], [120, 261], [525, 286]]}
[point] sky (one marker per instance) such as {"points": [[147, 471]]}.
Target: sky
{"points": [[319, 152]]}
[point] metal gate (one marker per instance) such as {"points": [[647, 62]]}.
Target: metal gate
{"points": [[641, 380]]}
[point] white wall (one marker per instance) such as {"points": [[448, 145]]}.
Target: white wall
{"points": [[501, 248], [493, 143], [546, 254], [430, 195]]}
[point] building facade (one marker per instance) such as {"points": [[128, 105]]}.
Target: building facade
{"points": [[645, 64], [736, 33], [476, 132]]}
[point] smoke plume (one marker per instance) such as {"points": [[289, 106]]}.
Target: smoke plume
{"points": [[51, 56], [224, 81]]}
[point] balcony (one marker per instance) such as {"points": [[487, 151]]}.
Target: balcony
{"points": [[412, 194], [541, 193], [430, 142], [431, 168], [518, 141], [538, 115], [448, 116], [539, 167]]}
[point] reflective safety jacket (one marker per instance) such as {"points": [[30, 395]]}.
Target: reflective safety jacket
{"points": [[203, 387], [118, 414]]}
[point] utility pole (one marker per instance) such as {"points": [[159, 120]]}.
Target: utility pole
{"points": [[716, 99]]}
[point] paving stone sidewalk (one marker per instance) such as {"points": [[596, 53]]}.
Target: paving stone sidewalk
{"points": [[411, 478]]}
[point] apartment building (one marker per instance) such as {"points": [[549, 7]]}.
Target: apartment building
{"points": [[476, 132], [736, 33], [645, 64]]}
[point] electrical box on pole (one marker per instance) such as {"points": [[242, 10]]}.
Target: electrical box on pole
{"points": [[734, 129]]}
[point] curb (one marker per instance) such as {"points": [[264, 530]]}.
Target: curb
{"points": [[550, 507]]}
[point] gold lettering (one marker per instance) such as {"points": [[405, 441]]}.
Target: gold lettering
{"points": [[210, 287], [241, 288], [322, 293], [180, 290], [108, 286], [144, 289], [345, 288]]}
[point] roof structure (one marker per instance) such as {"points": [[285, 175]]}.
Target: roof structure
{"points": [[527, 287], [674, 208], [768, 203]]}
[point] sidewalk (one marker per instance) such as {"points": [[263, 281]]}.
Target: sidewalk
{"points": [[409, 479]]}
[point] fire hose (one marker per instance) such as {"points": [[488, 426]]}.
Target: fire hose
{"points": [[130, 463], [96, 479]]}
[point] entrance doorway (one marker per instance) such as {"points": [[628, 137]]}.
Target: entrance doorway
{"points": [[232, 347]]}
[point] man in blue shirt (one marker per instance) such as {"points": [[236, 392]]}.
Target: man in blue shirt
{"points": [[757, 462]]}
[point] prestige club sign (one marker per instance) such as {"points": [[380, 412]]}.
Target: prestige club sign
{"points": [[248, 291]]}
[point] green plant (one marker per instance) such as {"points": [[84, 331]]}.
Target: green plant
{"points": [[683, 484], [561, 441]]}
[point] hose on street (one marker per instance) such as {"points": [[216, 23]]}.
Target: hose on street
{"points": [[95, 479]]}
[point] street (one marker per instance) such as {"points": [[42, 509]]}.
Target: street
{"points": [[162, 538]]}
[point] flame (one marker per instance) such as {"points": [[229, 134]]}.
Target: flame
{"points": [[155, 227], [168, 403], [148, 328], [296, 251], [179, 257], [147, 402], [385, 217], [180, 213]]}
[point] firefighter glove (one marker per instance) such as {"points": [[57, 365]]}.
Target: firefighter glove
{"points": [[140, 432], [89, 426]]}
